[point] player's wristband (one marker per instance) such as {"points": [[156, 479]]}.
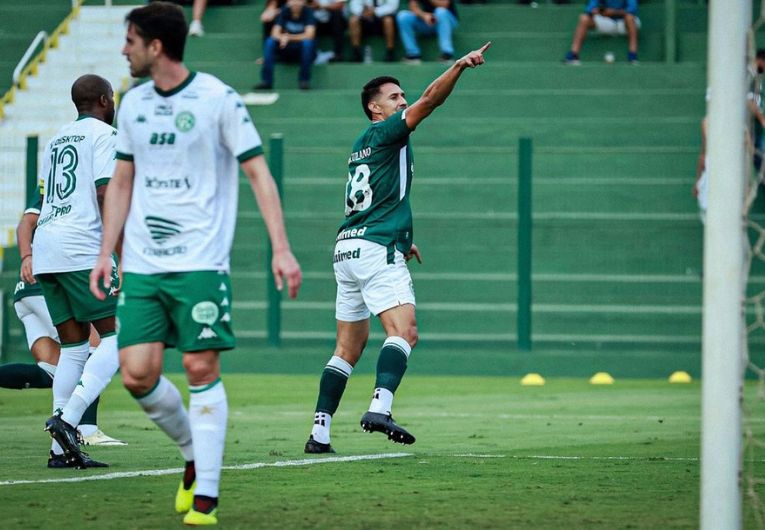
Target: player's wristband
{"points": [[25, 257]]}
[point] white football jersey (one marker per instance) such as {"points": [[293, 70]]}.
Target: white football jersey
{"points": [[78, 159], [185, 145]]}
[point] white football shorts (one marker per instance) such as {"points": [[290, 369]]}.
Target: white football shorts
{"points": [[33, 313], [366, 283], [611, 26]]}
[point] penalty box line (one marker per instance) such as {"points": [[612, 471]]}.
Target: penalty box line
{"points": [[177, 470]]}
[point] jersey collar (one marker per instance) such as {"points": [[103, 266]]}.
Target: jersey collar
{"points": [[174, 91]]}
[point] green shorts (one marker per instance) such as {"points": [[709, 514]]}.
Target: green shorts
{"points": [[188, 310], [67, 295]]}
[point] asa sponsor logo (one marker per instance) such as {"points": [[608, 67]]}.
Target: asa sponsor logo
{"points": [[351, 233], [164, 138]]}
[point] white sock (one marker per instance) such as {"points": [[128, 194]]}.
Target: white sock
{"points": [[68, 372], [87, 430], [208, 412], [163, 404], [98, 371], [321, 425], [56, 448], [382, 401], [50, 369]]}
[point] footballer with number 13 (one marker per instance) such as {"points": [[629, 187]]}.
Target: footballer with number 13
{"points": [[372, 248]]}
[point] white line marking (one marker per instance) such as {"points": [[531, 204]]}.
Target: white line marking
{"points": [[472, 455], [501, 307], [579, 458], [507, 216], [640, 458], [173, 471]]}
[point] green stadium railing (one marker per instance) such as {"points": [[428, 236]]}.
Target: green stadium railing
{"points": [[274, 313], [524, 243]]}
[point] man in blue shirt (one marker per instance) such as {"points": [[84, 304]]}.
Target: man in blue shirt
{"points": [[292, 40], [609, 17], [431, 18]]}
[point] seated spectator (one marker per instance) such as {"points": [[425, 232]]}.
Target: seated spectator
{"points": [[330, 20], [431, 18], [609, 17], [372, 16], [701, 186], [292, 40], [270, 13], [756, 104], [197, 12]]}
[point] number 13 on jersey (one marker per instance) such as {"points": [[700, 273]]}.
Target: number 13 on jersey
{"points": [[63, 161]]}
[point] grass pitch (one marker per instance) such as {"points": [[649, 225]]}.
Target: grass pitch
{"points": [[489, 454]]}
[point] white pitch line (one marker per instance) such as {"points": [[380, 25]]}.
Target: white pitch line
{"points": [[640, 458], [473, 455], [173, 471]]}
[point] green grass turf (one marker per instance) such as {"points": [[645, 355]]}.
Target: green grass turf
{"points": [[633, 449]]}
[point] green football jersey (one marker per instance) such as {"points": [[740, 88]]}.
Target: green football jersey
{"points": [[24, 289], [379, 180]]}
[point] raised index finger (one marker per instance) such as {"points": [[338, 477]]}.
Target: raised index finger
{"points": [[485, 47]]}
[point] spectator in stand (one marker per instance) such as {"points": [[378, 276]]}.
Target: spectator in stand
{"points": [[430, 18], [292, 40], [330, 20], [756, 104], [270, 14], [609, 17], [373, 16], [197, 12]]}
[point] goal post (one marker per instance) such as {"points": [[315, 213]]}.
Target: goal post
{"points": [[723, 335]]}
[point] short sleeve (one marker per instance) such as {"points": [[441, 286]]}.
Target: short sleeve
{"points": [[237, 130], [280, 19], [42, 175], [123, 145], [103, 157], [394, 130], [35, 203], [310, 19]]}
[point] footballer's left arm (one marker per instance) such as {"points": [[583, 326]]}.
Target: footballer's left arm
{"points": [[284, 264]]}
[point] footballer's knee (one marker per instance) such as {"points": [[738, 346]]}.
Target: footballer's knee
{"points": [[350, 354], [410, 334], [138, 385], [201, 368]]}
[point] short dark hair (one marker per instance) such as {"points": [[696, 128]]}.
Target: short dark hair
{"points": [[163, 21], [372, 89], [760, 53], [87, 91]]}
